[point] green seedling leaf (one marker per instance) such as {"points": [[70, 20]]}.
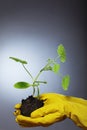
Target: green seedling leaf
{"points": [[49, 60], [22, 85], [18, 60], [47, 68], [62, 53], [65, 82], [56, 68]]}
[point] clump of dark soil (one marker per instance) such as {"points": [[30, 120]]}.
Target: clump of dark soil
{"points": [[30, 104]]}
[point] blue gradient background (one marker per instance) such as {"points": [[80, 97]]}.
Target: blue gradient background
{"points": [[32, 30]]}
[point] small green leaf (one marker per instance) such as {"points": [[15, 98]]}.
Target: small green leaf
{"points": [[65, 82], [18, 60], [56, 68], [62, 53], [49, 60], [22, 85], [47, 68]]}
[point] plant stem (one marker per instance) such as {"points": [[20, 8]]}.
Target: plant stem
{"points": [[37, 75], [41, 71], [33, 91], [38, 92], [56, 58], [27, 71], [40, 82]]}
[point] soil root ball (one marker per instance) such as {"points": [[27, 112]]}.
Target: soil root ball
{"points": [[30, 104]]}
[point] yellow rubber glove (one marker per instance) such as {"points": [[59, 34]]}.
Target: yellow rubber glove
{"points": [[56, 108]]}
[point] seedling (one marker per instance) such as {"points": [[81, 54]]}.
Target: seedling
{"points": [[52, 65]]}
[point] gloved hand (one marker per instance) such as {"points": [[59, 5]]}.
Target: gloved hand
{"points": [[56, 108]]}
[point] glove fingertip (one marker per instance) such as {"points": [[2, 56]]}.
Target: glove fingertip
{"points": [[14, 113], [17, 106], [16, 120]]}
